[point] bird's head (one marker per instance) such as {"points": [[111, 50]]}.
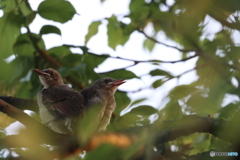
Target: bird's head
{"points": [[49, 77], [108, 83]]}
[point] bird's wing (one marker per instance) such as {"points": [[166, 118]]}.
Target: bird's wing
{"points": [[91, 96], [63, 101]]}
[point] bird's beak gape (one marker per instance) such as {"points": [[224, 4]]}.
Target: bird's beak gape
{"points": [[118, 82]]}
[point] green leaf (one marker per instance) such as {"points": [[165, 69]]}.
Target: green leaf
{"points": [[92, 30], [182, 91], [136, 5], [36, 85], [171, 111], [137, 116], [71, 60], [127, 120], [227, 111], [7, 5], [209, 75], [59, 51], [144, 110], [157, 83], [4, 122], [23, 45], [92, 61], [83, 48], [8, 71], [104, 152], [2, 6], [159, 72], [23, 91], [140, 17], [10, 25], [202, 105], [15, 70], [216, 142], [56, 10], [25, 8], [115, 33], [127, 31], [23, 64], [121, 74], [30, 17], [138, 101], [148, 44], [50, 29], [122, 101], [77, 71]]}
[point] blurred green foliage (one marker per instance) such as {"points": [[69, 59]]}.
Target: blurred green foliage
{"points": [[183, 21]]}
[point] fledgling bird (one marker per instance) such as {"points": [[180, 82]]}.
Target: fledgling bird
{"points": [[59, 104], [101, 94]]}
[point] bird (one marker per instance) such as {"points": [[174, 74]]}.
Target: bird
{"points": [[100, 95], [59, 104]]}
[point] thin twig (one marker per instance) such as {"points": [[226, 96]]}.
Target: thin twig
{"points": [[156, 61], [117, 69], [156, 41], [145, 61], [197, 67]]}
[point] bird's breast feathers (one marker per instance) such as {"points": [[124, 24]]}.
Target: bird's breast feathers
{"points": [[44, 114], [58, 125]]}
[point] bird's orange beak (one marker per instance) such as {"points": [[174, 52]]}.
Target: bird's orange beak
{"points": [[39, 72], [118, 82]]}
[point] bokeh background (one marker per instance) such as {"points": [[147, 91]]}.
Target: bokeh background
{"points": [[179, 57]]}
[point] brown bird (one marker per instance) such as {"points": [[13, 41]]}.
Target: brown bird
{"points": [[101, 95], [59, 104]]}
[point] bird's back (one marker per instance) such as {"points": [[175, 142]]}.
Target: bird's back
{"points": [[59, 106], [63, 99]]}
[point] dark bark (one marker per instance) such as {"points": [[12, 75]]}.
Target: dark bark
{"points": [[20, 103]]}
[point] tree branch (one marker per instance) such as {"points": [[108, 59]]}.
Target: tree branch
{"points": [[31, 124], [37, 133], [20, 116], [194, 123], [21, 103]]}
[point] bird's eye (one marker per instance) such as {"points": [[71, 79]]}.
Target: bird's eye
{"points": [[106, 81], [48, 72]]}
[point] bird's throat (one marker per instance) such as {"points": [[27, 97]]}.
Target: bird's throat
{"points": [[43, 81]]}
